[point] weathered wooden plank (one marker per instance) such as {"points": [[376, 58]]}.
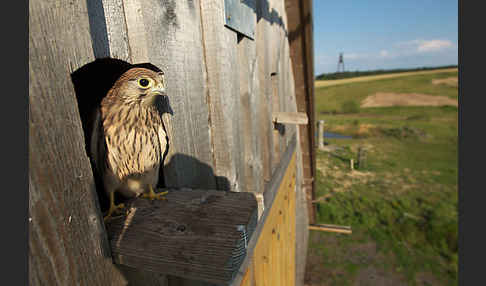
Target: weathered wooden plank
{"points": [[249, 93], [282, 76], [169, 26], [273, 45], [288, 85], [198, 234], [272, 191], [264, 58], [299, 15], [331, 228], [67, 243], [136, 31], [301, 220], [110, 19], [220, 55], [98, 29], [299, 118], [278, 128]]}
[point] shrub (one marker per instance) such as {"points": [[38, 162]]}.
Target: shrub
{"points": [[350, 106]]}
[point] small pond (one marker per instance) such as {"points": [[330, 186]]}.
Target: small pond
{"points": [[336, 135]]}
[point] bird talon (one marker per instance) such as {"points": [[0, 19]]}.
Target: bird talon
{"points": [[113, 208], [151, 195]]}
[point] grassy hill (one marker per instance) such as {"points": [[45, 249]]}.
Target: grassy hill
{"points": [[402, 206]]}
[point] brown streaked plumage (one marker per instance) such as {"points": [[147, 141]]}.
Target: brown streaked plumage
{"points": [[128, 140]]}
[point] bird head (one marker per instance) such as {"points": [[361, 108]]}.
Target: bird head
{"points": [[140, 85]]}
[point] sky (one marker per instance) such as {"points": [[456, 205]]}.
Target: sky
{"points": [[379, 34]]}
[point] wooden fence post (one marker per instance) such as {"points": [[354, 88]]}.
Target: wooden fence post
{"points": [[361, 157], [320, 135]]}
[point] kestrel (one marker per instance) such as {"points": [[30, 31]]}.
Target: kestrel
{"points": [[128, 140]]}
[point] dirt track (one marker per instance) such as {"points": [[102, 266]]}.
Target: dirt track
{"points": [[382, 99], [321, 83], [451, 81]]}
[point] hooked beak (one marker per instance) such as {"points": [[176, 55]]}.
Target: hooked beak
{"points": [[158, 90], [154, 96]]}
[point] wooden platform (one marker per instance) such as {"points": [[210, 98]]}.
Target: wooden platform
{"points": [[198, 234]]}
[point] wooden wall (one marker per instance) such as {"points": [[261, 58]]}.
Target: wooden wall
{"points": [[300, 37], [273, 259], [222, 86], [301, 52]]}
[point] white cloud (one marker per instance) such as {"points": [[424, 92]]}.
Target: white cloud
{"points": [[384, 54], [415, 52], [433, 45], [424, 46]]}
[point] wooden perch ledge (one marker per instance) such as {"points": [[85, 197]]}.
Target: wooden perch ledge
{"points": [[197, 234], [290, 118], [331, 228]]}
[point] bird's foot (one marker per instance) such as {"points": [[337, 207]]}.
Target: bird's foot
{"points": [[151, 195], [113, 208]]}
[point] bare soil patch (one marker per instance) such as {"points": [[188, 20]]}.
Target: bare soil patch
{"points": [[365, 129], [375, 276], [364, 255], [382, 99], [451, 81], [427, 279]]}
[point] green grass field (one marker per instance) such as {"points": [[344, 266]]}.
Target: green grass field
{"points": [[402, 206]]}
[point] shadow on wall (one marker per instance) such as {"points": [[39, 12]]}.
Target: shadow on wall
{"points": [[263, 11], [272, 16]]}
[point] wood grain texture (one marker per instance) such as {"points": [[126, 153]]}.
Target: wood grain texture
{"points": [[301, 219], [174, 33], [272, 191], [249, 93], [264, 58], [277, 128], [290, 104], [299, 118], [136, 30], [116, 29], [273, 258], [67, 243], [194, 234], [331, 228], [220, 54], [299, 15]]}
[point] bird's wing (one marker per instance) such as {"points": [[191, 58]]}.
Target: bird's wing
{"points": [[163, 143], [97, 144]]}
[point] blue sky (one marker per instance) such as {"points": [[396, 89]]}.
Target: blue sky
{"points": [[379, 34]]}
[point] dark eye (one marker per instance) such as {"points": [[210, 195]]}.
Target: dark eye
{"points": [[144, 82]]}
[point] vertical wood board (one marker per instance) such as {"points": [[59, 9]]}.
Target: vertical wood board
{"points": [[174, 43], [222, 91], [67, 242]]}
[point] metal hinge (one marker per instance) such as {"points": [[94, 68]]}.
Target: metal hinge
{"points": [[239, 15]]}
